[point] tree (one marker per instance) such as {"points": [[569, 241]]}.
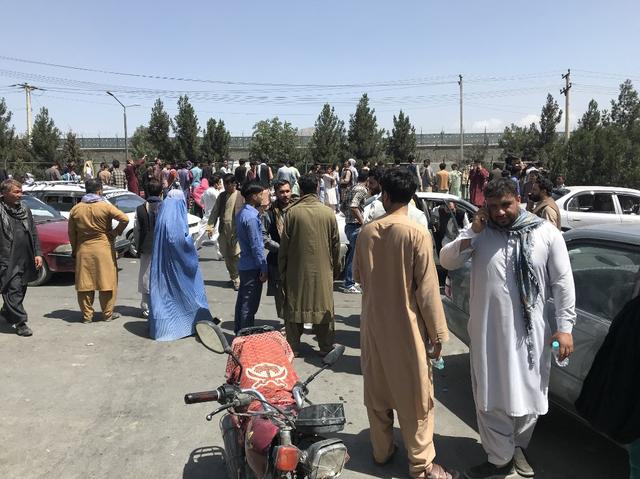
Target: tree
{"points": [[45, 139], [221, 140], [591, 118], [215, 142], [141, 144], [71, 153], [329, 140], [158, 131], [549, 118], [520, 141], [365, 140], [626, 111], [185, 127], [401, 144], [273, 141], [7, 132]]}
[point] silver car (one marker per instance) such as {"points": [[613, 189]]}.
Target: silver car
{"points": [[592, 205], [605, 260]]}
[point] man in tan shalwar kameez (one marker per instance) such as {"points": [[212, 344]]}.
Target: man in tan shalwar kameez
{"points": [[91, 236], [307, 260], [227, 206], [401, 313]]}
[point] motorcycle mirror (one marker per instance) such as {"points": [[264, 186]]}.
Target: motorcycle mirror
{"points": [[212, 337], [332, 357]]}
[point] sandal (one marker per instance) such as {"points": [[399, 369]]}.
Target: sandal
{"points": [[439, 472]]}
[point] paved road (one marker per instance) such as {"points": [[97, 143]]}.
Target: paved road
{"points": [[104, 401]]}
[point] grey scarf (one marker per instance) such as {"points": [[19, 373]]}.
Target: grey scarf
{"points": [[528, 283]]}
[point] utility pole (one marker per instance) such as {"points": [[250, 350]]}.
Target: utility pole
{"points": [[565, 92], [461, 128], [126, 140], [27, 91]]}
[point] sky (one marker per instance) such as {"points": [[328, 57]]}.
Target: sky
{"points": [[246, 61]]}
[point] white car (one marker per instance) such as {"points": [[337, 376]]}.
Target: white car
{"points": [[591, 205], [63, 195]]}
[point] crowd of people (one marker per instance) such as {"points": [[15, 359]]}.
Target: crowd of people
{"points": [[282, 229]]}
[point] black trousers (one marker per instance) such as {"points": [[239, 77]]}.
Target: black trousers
{"points": [[13, 296]]}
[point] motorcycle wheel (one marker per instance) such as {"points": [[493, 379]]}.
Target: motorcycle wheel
{"points": [[237, 467]]}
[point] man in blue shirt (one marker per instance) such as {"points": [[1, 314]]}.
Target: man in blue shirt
{"points": [[253, 261]]}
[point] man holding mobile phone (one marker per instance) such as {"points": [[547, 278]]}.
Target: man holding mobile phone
{"points": [[517, 260]]}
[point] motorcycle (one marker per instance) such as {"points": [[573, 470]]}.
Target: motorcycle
{"points": [[270, 428]]}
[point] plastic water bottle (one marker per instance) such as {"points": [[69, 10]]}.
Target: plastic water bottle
{"points": [[436, 363], [555, 350]]}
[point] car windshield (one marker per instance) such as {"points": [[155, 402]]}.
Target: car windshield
{"points": [[41, 212], [126, 202]]}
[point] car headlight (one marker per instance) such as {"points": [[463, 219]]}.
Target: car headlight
{"points": [[325, 459], [63, 249]]}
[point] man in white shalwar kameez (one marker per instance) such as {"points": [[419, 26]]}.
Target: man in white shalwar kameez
{"points": [[517, 263]]}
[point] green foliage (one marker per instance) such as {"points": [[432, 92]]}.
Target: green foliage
{"points": [[520, 141], [221, 140], [605, 149], [158, 132], [365, 139], [401, 144], [273, 141], [591, 118], [7, 132], [186, 129], [215, 142], [549, 118], [328, 143], [626, 111], [45, 139], [141, 144], [71, 153]]}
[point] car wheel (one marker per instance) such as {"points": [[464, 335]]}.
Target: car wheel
{"points": [[44, 275], [132, 251]]}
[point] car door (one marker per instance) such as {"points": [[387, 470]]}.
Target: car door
{"points": [[605, 275], [629, 207], [589, 208]]}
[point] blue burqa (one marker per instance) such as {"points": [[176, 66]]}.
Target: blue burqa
{"points": [[177, 292]]}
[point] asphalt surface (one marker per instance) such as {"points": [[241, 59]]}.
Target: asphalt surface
{"points": [[102, 400]]}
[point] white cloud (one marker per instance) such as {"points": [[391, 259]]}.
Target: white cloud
{"points": [[527, 120], [491, 125]]}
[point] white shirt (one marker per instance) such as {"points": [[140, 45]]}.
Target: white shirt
{"points": [[500, 373]]}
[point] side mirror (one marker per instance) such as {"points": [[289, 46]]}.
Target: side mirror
{"points": [[332, 357], [212, 337]]}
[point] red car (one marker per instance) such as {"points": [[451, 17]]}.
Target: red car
{"points": [[54, 240]]}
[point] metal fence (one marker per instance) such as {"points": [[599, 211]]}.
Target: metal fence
{"points": [[243, 142]]}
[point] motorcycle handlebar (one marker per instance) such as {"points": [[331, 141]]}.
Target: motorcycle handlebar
{"points": [[203, 396]]}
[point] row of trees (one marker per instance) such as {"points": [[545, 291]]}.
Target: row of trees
{"points": [[43, 149], [603, 150]]}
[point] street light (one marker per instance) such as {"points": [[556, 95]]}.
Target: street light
{"points": [[126, 141]]}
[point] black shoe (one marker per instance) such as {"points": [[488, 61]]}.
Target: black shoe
{"points": [[521, 464], [491, 471], [23, 330]]}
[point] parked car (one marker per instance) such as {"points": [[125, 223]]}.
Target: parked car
{"points": [[63, 195], [605, 260], [591, 205], [54, 240]]}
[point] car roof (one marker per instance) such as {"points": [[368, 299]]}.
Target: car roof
{"points": [[577, 189], [430, 195], [617, 232], [68, 186]]}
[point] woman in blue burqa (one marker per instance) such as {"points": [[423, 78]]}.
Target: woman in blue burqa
{"points": [[178, 298]]}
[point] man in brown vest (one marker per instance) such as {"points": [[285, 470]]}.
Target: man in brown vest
{"points": [[545, 206]]}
